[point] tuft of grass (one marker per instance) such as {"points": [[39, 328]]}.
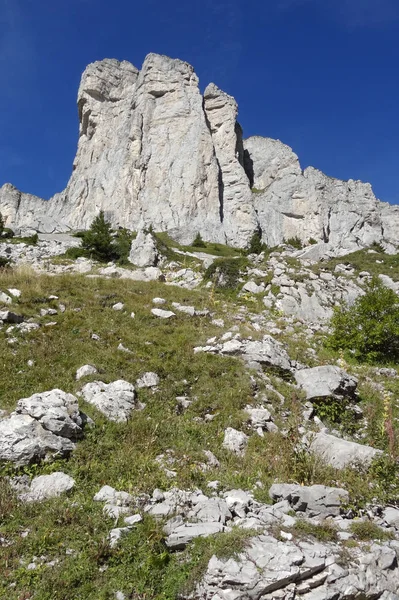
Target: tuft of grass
{"points": [[325, 532], [368, 530]]}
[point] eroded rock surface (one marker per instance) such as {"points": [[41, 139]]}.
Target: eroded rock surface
{"points": [[153, 152]]}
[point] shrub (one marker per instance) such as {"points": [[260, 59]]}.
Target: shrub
{"points": [[312, 241], [295, 242], [75, 253], [370, 327], [122, 244], [198, 242], [7, 233], [225, 272], [4, 262], [98, 240], [368, 530], [255, 244]]}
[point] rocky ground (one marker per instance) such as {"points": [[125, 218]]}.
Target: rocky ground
{"points": [[163, 436]]}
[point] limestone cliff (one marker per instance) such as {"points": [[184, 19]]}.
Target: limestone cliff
{"points": [[153, 151]]}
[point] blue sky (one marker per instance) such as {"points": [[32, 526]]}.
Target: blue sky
{"points": [[321, 75]]}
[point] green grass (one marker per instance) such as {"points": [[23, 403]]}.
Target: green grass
{"points": [[365, 531], [123, 455], [325, 532], [375, 263], [209, 248]]}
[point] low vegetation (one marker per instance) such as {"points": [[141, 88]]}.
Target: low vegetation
{"points": [[370, 327]]}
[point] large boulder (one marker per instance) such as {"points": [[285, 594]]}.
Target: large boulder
{"points": [[144, 251], [43, 425], [45, 487], [314, 501], [341, 453], [115, 400], [23, 440], [326, 381]]}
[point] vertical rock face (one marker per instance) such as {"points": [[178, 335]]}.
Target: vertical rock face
{"points": [[153, 151], [237, 212], [102, 167], [175, 164]]}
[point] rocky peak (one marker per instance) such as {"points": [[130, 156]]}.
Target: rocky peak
{"points": [[153, 151]]}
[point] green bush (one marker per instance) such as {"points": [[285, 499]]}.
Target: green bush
{"points": [[75, 253], [98, 240], [225, 272], [255, 245], [4, 262], [122, 244], [198, 242], [312, 241], [295, 242], [370, 327], [7, 233]]}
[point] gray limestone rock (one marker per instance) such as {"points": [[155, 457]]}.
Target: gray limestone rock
{"points": [[315, 500], [341, 453], [184, 534], [325, 381], [143, 251], [44, 487], [153, 151], [56, 411], [24, 440], [235, 441], [115, 400]]}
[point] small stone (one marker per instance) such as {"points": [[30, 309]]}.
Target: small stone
{"points": [[235, 441], [159, 300], [148, 380], [162, 314], [133, 520], [85, 371], [118, 306]]}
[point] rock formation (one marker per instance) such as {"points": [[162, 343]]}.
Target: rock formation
{"points": [[153, 151]]}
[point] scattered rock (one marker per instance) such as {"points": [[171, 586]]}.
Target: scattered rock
{"points": [[85, 371], [235, 441], [326, 381], [44, 487], [162, 314], [148, 380], [315, 500], [115, 400], [340, 453]]}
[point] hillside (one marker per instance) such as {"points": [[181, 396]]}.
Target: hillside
{"points": [[237, 456]]}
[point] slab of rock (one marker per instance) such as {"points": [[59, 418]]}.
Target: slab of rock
{"points": [[24, 440], [115, 400], [184, 534], [57, 412], [326, 381], [148, 380], [235, 441], [314, 501], [268, 352], [340, 453], [162, 314], [144, 251], [85, 371], [44, 487]]}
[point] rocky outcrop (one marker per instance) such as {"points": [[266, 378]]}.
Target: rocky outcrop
{"points": [[341, 216], [153, 151]]}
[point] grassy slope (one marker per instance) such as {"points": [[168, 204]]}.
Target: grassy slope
{"points": [[73, 529]]}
